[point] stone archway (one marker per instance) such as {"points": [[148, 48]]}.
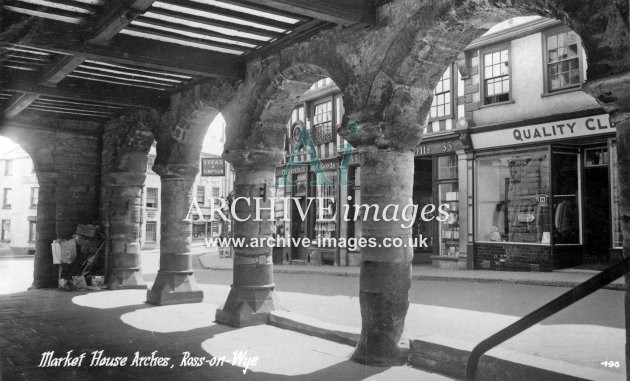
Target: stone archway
{"points": [[179, 137], [66, 163]]}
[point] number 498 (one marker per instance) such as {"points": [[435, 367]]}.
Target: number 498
{"points": [[610, 364]]}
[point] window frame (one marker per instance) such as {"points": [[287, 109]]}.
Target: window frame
{"points": [[34, 196], [451, 113], [8, 167], [2, 233], [201, 191], [313, 106], [157, 198], [32, 231], [146, 231], [6, 192], [482, 77], [545, 58]]}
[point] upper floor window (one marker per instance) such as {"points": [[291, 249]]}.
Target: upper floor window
{"points": [[6, 198], [201, 195], [8, 167], [6, 230], [150, 162], [152, 198], [562, 60], [322, 123], [496, 76], [34, 196], [441, 106]]}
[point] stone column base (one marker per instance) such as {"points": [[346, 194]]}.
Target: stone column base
{"points": [[124, 279], [174, 288], [246, 306]]}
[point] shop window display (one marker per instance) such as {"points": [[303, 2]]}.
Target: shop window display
{"points": [[513, 198]]}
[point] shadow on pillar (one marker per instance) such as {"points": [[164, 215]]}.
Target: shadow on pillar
{"points": [[252, 294], [175, 286], [246, 306], [44, 271], [384, 306], [125, 267], [175, 282]]}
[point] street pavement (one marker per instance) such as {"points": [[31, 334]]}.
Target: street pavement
{"points": [[587, 334]]}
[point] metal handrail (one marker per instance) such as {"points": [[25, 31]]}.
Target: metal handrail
{"points": [[584, 289]]}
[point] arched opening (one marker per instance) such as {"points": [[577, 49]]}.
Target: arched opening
{"points": [[18, 216], [513, 98], [335, 186]]}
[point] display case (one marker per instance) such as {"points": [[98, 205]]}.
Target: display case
{"points": [[449, 228]]}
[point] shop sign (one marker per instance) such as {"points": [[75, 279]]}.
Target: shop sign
{"points": [[562, 129], [439, 148], [212, 167], [295, 170], [327, 165]]}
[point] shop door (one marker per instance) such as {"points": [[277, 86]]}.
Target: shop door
{"points": [[597, 221], [423, 195]]}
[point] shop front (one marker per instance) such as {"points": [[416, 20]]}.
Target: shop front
{"points": [[546, 196], [304, 222], [437, 182]]}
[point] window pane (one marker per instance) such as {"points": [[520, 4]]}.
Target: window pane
{"points": [[505, 69], [562, 53], [553, 55], [507, 198], [564, 66], [552, 42], [562, 39], [487, 59], [573, 51], [496, 57], [553, 69], [490, 89], [504, 56], [565, 201]]}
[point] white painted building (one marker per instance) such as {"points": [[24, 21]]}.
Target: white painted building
{"points": [[18, 212], [205, 189]]}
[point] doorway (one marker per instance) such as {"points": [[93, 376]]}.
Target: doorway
{"points": [[423, 195], [597, 221]]}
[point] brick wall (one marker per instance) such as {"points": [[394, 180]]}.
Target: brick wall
{"points": [[510, 257]]}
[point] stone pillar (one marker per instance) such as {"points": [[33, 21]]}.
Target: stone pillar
{"points": [[44, 272], [251, 296], [124, 209], [613, 94], [386, 178], [175, 282]]}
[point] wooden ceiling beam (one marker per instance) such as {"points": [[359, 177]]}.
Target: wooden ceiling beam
{"points": [[115, 17], [96, 94], [18, 103], [342, 12], [150, 54]]}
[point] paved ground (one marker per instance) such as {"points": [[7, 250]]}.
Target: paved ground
{"points": [[587, 335], [120, 324]]}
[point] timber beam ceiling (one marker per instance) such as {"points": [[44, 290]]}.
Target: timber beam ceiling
{"points": [[96, 58]]}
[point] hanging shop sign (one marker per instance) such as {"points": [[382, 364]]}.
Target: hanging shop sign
{"points": [[562, 129], [212, 167]]}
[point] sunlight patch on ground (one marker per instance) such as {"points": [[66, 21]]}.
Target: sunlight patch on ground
{"points": [[16, 275], [279, 351], [175, 318], [111, 299]]}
